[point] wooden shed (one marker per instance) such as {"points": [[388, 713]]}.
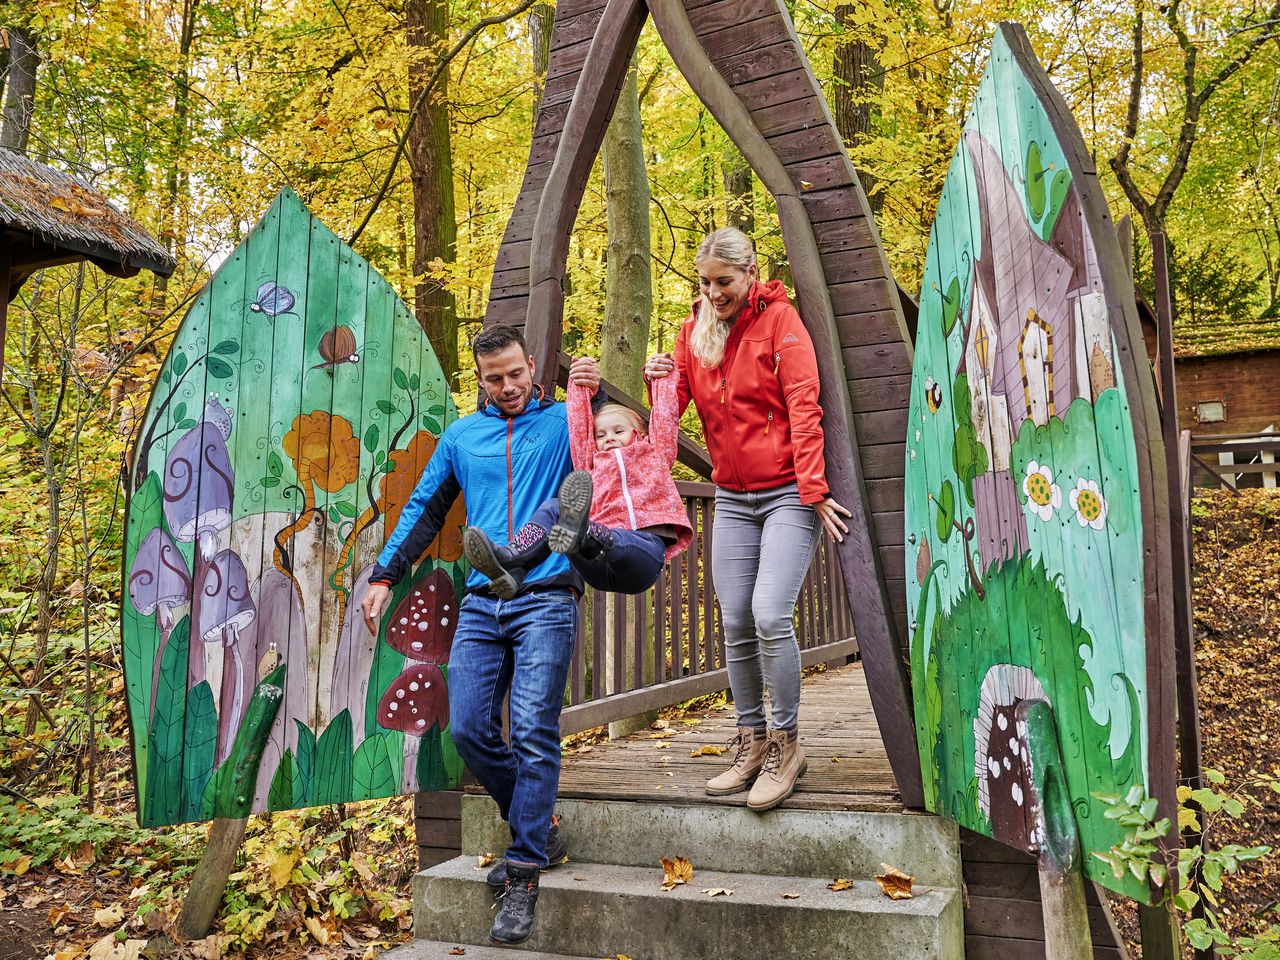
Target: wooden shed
{"points": [[48, 217]]}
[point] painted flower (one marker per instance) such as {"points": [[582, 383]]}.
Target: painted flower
{"points": [[323, 450], [1089, 504], [1043, 495], [398, 487]]}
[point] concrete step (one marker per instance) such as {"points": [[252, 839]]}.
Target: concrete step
{"points": [[601, 910], [446, 950], [782, 842]]}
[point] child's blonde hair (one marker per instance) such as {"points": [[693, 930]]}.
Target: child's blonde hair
{"points": [[728, 245], [635, 419]]}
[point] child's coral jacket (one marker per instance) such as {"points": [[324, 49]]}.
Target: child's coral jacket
{"points": [[632, 485]]}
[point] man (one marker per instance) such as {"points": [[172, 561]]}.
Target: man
{"points": [[506, 459]]}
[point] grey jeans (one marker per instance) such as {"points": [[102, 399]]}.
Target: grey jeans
{"points": [[763, 541]]}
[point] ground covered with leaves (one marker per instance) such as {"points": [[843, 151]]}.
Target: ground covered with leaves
{"points": [[334, 882], [1237, 622]]}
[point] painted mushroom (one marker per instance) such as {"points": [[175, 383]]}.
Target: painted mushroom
{"points": [[421, 627], [158, 582], [1001, 761], [199, 482], [415, 703], [423, 623], [225, 610]]}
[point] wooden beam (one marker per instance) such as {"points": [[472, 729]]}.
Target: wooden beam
{"points": [[594, 98], [860, 561]]}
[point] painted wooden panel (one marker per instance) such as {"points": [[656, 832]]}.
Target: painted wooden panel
{"points": [[1025, 509], [291, 420]]}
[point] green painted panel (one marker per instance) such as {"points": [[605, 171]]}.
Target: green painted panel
{"points": [[287, 428], [1024, 514]]}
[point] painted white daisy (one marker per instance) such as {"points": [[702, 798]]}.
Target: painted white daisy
{"points": [[1043, 495], [1089, 504]]}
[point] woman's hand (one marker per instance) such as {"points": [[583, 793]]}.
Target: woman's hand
{"points": [[658, 366], [829, 512]]}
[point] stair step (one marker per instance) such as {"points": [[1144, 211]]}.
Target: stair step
{"points": [[782, 842], [447, 950], [601, 910]]}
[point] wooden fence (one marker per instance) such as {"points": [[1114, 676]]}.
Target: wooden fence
{"points": [[1235, 459], [636, 654]]}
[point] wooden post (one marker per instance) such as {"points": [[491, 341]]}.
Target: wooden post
{"points": [[204, 895], [5, 260], [1066, 918], [1165, 927]]}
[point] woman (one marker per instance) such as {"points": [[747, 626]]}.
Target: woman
{"points": [[746, 361]]}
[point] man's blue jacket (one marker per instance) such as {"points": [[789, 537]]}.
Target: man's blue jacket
{"points": [[505, 467]]}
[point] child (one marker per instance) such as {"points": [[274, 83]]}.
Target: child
{"points": [[618, 518]]}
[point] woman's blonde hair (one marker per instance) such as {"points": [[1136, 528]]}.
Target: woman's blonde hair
{"points": [[635, 419], [728, 245]]}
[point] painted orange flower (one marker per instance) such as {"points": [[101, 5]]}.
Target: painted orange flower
{"points": [[323, 450], [398, 487]]}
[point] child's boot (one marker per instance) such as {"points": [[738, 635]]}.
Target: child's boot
{"points": [[574, 533], [506, 567]]}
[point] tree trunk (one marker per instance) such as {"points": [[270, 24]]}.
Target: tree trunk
{"points": [[541, 19], [45, 584], [628, 303], [20, 97], [738, 182], [172, 231], [435, 234], [859, 79]]}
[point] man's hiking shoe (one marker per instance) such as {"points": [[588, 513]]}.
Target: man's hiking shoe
{"points": [[514, 921], [557, 853]]}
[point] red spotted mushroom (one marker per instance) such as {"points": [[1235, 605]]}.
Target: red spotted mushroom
{"points": [[422, 624], [416, 703]]}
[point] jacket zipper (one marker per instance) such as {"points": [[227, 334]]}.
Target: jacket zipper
{"points": [[511, 523], [626, 492]]}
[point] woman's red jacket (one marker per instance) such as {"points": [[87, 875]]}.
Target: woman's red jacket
{"points": [[759, 407]]}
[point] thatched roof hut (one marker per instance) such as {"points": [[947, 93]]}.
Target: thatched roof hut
{"points": [[48, 217]]}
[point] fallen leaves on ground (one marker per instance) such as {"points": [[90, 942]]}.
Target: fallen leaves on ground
{"points": [[457, 952], [790, 896], [895, 884], [109, 916], [485, 859], [840, 883], [662, 734], [661, 724], [675, 871], [718, 892], [707, 751]]}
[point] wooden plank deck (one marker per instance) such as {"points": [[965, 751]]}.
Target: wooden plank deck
{"points": [[848, 767]]}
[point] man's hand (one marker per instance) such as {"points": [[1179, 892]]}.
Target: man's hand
{"points": [[372, 605], [586, 371], [658, 366]]}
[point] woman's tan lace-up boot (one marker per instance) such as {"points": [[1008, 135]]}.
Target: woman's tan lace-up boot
{"points": [[750, 746], [784, 764]]}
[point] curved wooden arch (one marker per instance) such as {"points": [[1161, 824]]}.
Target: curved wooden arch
{"points": [[745, 62]]}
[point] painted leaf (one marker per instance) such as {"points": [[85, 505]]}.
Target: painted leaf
{"points": [[1030, 486], [950, 306], [306, 759], [318, 425], [281, 796], [432, 772], [164, 773], [200, 743], [331, 781], [371, 769]]}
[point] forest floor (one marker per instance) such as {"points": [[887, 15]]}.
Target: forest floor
{"points": [[333, 882]]}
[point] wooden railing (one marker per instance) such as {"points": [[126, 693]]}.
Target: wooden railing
{"points": [[1235, 460], [639, 653]]}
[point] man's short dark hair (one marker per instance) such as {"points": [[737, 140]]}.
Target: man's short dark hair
{"points": [[492, 339]]}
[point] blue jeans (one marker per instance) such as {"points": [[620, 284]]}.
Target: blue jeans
{"points": [[523, 645], [631, 564]]}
